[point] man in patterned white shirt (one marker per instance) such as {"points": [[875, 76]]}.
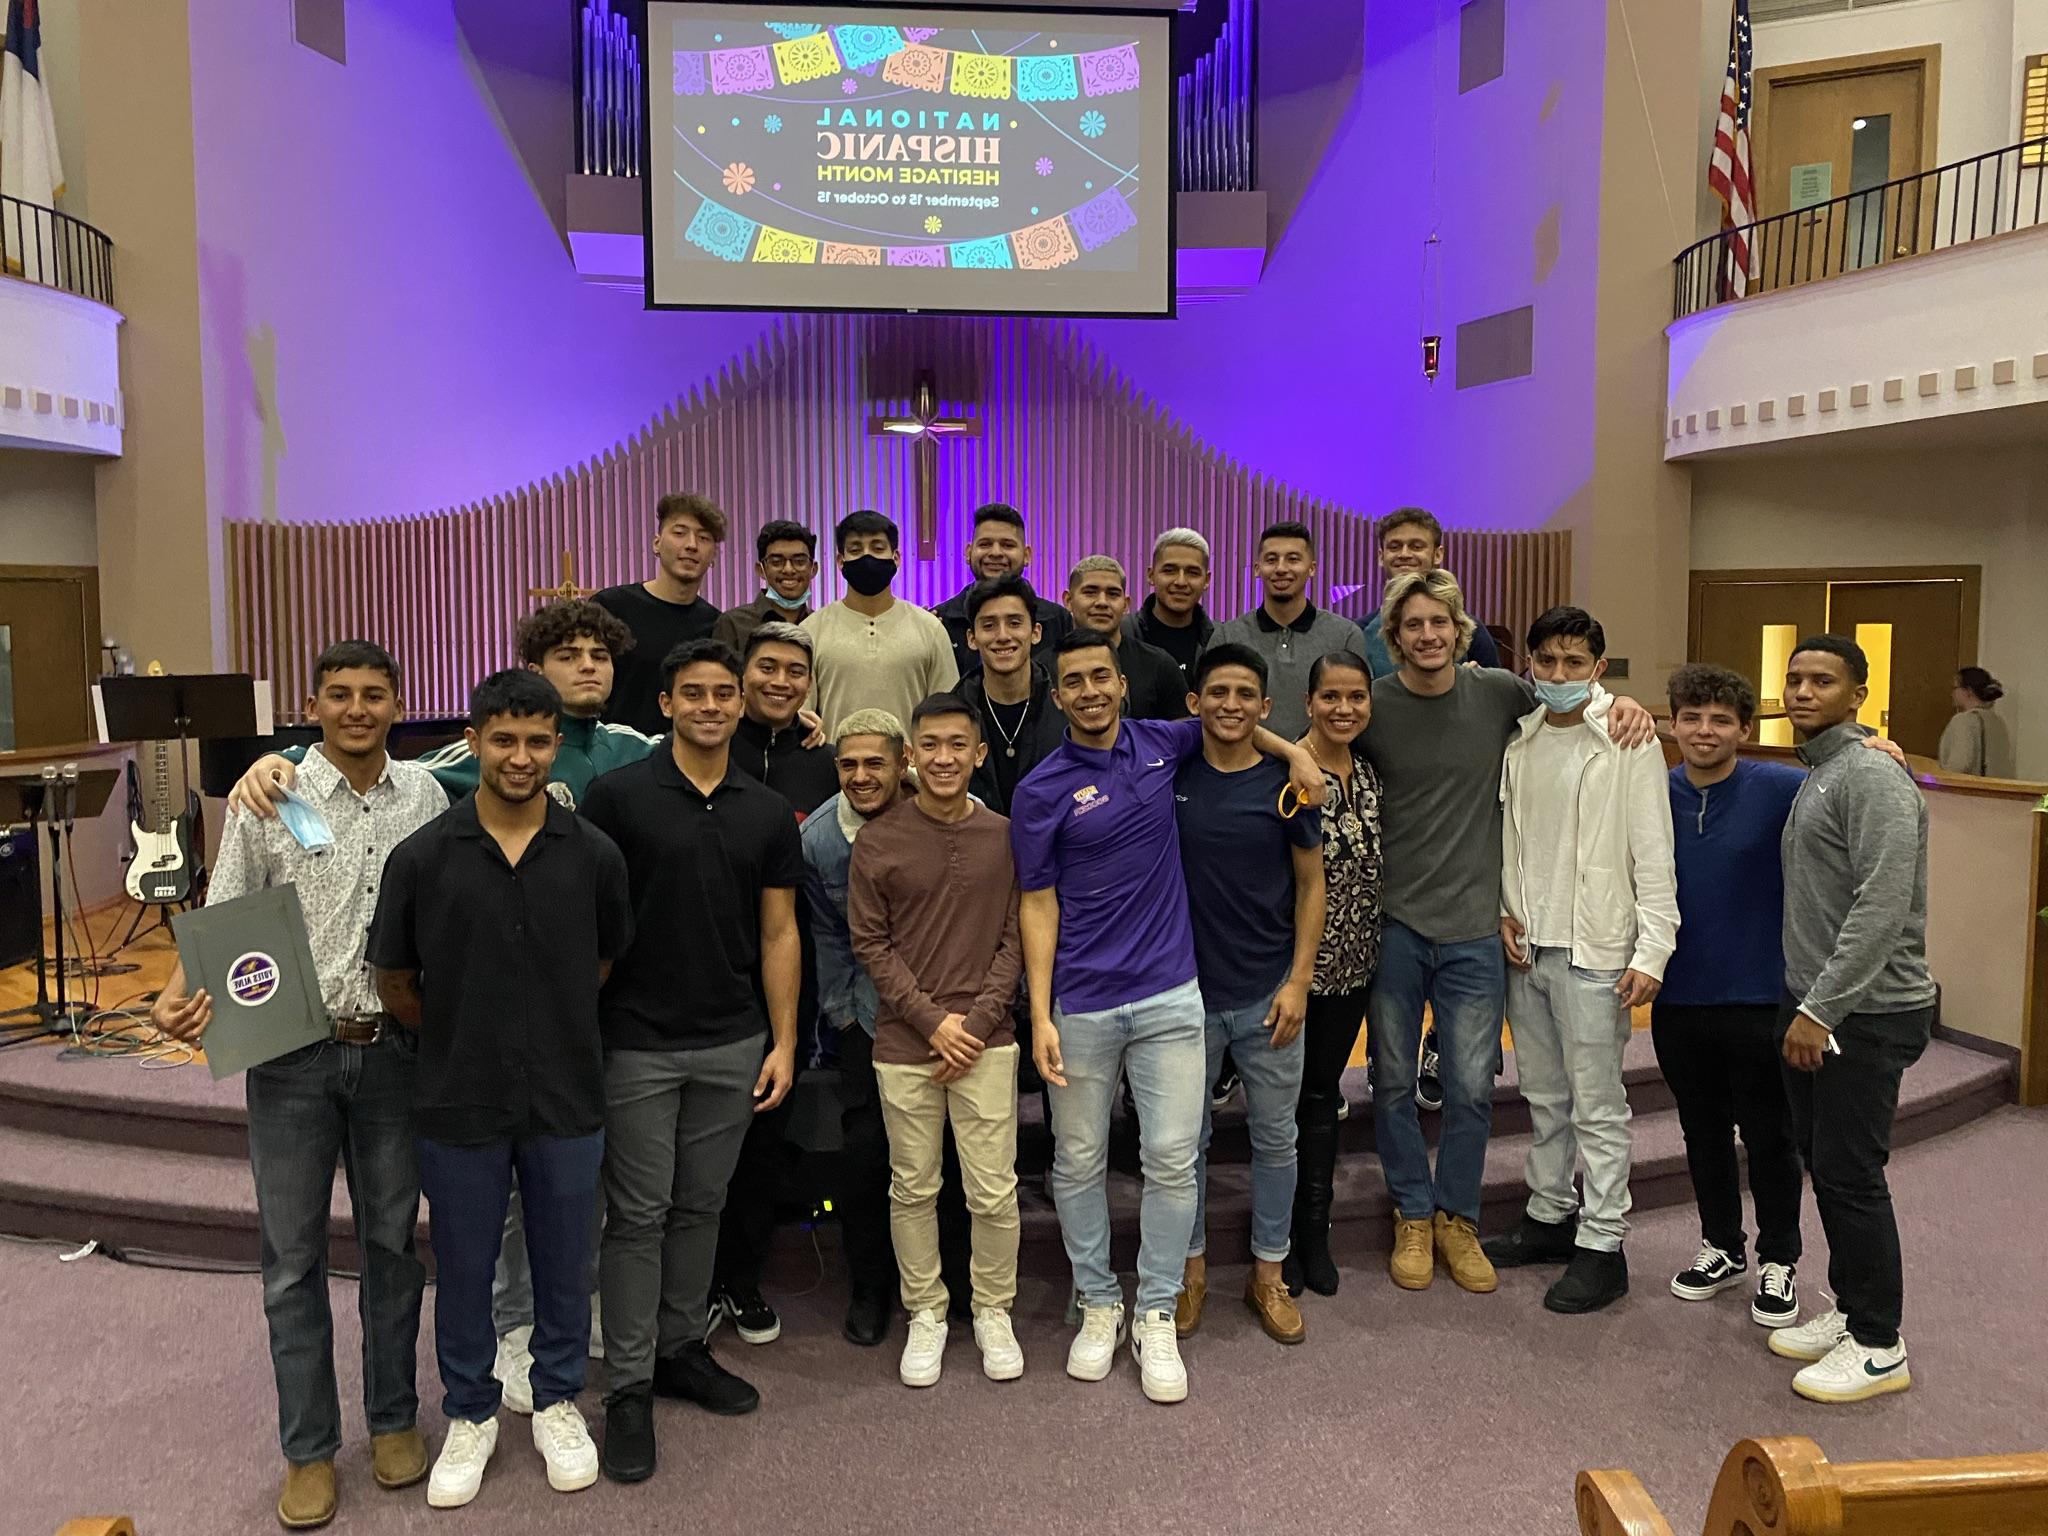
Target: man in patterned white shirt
{"points": [[349, 1097]]}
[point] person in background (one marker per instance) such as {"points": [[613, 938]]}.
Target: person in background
{"points": [[874, 651], [1286, 629], [1858, 1010], [1589, 918], [1976, 740], [348, 1098], [998, 547], [665, 610], [1410, 539], [496, 926], [1098, 598], [1172, 617], [1339, 709], [932, 908], [775, 741], [786, 562], [1715, 1024], [1011, 691]]}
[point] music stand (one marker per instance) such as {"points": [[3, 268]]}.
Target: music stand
{"points": [[55, 799]]}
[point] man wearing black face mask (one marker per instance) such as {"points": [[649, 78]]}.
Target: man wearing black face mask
{"points": [[873, 652]]}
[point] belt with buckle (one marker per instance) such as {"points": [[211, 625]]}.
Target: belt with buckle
{"points": [[360, 1028]]}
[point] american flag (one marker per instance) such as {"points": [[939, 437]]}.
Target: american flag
{"points": [[1729, 172]]}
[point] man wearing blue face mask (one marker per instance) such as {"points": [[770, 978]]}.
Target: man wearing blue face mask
{"points": [[1590, 916]]}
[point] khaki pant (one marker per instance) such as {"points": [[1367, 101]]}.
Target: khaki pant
{"points": [[983, 1109]]}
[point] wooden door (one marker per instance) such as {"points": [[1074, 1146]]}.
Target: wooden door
{"points": [[1915, 635], [1747, 622], [51, 618]]}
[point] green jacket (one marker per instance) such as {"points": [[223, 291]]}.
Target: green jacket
{"points": [[589, 748]]}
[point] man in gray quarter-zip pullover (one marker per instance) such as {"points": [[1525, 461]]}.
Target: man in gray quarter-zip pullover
{"points": [[1858, 1010], [1286, 629]]}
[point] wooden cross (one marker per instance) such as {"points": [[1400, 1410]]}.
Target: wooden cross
{"points": [[568, 591], [927, 427]]}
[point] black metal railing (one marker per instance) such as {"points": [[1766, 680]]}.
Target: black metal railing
{"points": [[54, 249], [1989, 194]]}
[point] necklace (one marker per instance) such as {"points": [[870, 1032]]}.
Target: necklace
{"points": [[1009, 734]]}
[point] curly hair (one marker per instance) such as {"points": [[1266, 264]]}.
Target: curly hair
{"points": [[570, 619], [1439, 585]]}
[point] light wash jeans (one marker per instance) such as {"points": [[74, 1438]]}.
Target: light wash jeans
{"points": [[1569, 1032], [1158, 1043], [1272, 1087]]}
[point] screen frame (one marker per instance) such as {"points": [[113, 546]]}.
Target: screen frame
{"points": [[1064, 13]]}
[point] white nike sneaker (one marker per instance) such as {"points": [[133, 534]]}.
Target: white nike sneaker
{"points": [[512, 1368], [1812, 1339], [1851, 1372], [459, 1469], [1156, 1347], [1094, 1348], [1002, 1358], [924, 1352], [564, 1443]]}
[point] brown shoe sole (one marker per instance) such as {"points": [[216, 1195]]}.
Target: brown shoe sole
{"points": [[306, 1522], [1272, 1332]]}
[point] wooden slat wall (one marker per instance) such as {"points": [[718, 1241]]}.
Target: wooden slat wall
{"points": [[1096, 467]]}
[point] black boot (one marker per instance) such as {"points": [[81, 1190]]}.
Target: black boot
{"points": [[1315, 1158], [1591, 1281], [867, 1317], [694, 1374], [629, 1435], [1532, 1242]]}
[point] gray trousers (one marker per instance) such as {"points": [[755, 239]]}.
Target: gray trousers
{"points": [[673, 1124], [512, 1283], [1569, 1032]]}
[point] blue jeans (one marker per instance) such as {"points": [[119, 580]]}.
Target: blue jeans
{"points": [[1465, 985], [467, 1191], [1272, 1087], [1158, 1042], [306, 1109]]}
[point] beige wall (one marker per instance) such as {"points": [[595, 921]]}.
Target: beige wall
{"points": [[1980, 852], [1956, 506], [46, 508]]}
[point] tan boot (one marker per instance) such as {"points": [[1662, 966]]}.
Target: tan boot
{"points": [[1458, 1250], [1413, 1264], [399, 1458], [1194, 1290], [1275, 1309], [308, 1498]]}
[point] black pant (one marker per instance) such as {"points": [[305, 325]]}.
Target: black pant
{"points": [[864, 1182], [1723, 1066], [747, 1224], [1328, 1036], [1842, 1117]]}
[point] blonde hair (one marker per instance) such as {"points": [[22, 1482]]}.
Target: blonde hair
{"points": [[871, 722], [1440, 585], [1089, 564]]}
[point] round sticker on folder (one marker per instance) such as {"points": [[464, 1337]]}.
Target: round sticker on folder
{"points": [[252, 979]]}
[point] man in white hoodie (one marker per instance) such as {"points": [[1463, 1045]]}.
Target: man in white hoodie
{"points": [[1589, 917]]}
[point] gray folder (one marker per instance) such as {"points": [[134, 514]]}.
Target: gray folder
{"points": [[253, 956]]}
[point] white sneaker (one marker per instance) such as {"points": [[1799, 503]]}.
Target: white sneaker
{"points": [[1812, 1339], [459, 1469], [1094, 1348], [1851, 1372], [1002, 1358], [564, 1443], [1156, 1348], [924, 1352], [512, 1368]]}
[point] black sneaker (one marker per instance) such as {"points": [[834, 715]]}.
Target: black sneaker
{"points": [[1533, 1242], [1225, 1085], [1591, 1281], [628, 1455], [1429, 1085], [1713, 1271], [867, 1318], [1777, 1295], [693, 1375], [752, 1318]]}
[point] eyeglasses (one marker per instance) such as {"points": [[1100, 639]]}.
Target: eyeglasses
{"points": [[788, 562]]}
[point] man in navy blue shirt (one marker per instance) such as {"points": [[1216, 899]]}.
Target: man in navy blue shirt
{"points": [[1254, 863], [1715, 1025]]}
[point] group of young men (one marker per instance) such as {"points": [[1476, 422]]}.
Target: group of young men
{"points": [[570, 1005]]}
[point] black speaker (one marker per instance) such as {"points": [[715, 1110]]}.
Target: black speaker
{"points": [[21, 904]]}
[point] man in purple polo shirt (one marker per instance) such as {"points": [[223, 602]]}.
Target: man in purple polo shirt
{"points": [[1109, 957]]}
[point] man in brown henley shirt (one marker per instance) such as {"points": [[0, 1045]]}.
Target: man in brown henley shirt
{"points": [[932, 908]]}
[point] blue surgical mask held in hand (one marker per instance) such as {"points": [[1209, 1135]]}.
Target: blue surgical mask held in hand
{"points": [[303, 820]]}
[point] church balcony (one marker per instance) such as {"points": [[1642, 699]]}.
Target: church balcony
{"points": [[60, 372]]}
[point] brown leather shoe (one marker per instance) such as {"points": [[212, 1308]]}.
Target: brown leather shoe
{"points": [[1458, 1250], [399, 1458], [1194, 1290], [1276, 1310], [1413, 1264], [308, 1499]]}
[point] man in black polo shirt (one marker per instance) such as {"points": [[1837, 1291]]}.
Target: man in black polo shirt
{"points": [[714, 861], [496, 925]]}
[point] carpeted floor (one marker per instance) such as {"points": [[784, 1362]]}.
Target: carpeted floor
{"points": [[135, 1391]]}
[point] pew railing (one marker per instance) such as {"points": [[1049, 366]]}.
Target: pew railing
{"points": [[1786, 1486]]}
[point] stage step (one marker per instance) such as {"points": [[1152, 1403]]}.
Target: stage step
{"points": [[154, 1159]]}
